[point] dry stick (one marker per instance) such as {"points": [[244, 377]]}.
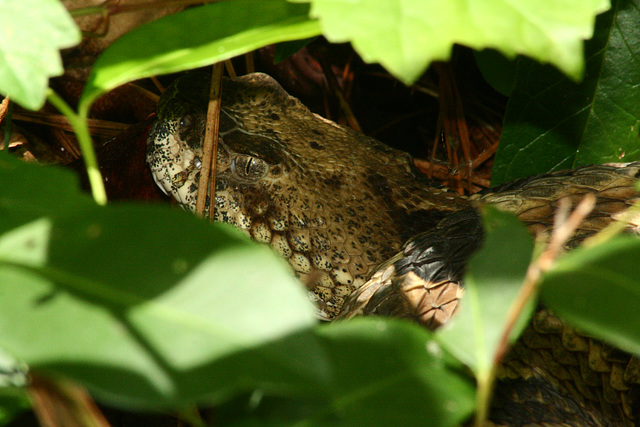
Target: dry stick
{"points": [[231, 71], [4, 107], [564, 227], [210, 146], [64, 404], [339, 93], [249, 62]]}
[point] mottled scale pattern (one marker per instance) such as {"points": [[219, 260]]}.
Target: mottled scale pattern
{"points": [[295, 181], [367, 234]]}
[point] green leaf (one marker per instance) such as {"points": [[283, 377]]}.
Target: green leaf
{"points": [[598, 290], [286, 49], [195, 38], [494, 278], [13, 401], [31, 34], [406, 36], [138, 302], [151, 307], [497, 70], [553, 123], [13, 395], [383, 372]]}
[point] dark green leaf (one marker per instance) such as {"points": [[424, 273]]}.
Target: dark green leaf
{"points": [[13, 395], [195, 38], [553, 123], [382, 372], [286, 49], [497, 70], [598, 291], [13, 401]]}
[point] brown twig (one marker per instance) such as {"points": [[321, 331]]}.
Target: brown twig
{"points": [[64, 404], [565, 225], [210, 146], [4, 107], [231, 71], [338, 93]]}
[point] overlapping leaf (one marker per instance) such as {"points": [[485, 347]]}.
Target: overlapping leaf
{"points": [[195, 38], [31, 34], [554, 123], [598, 290], [495, 275], [406, 36], [151, 307]]}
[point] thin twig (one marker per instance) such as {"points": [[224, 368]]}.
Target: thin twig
{"points": [[564, 227], [64, 404], [338, 93], [210, 146]]}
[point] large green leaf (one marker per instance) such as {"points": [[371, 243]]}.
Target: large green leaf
{"points": [[31, 34], [195, 38], [151, 307], [383, 372], [494, 278], [598, 291], [554, 123], [406, 36], [138, 302]]}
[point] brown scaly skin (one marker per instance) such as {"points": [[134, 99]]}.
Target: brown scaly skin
{"points": [[340, 207]]}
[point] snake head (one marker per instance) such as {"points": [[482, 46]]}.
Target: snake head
{"points": [[332, 201]]}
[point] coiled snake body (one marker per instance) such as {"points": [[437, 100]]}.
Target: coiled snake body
{"points": [[338, 204]]}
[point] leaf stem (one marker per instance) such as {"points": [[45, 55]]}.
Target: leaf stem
{"points": [[79, 124], [486, 380]]}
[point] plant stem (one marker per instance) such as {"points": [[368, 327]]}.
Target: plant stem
{"points": [[79, 124], [486, 381]]}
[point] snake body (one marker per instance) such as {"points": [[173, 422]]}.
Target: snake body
{"points": [[368, 234]]}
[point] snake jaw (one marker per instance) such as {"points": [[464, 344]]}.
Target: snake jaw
{"points": [[174, 165]]}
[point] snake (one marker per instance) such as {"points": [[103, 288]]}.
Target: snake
{"points": [[368, 234]]}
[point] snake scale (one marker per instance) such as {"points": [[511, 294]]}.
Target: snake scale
{"points": [[368, 234]]}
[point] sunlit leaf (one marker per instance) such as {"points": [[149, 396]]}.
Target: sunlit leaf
{"points": [[134, 301], [406, 36], [32, 32]]}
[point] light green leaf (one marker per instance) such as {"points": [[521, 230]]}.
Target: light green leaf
{"points": [[195, 38], [598, 290], [31, 34], [553, 123], [492, 282], [151, 307], [406, 36], [138, 302]]}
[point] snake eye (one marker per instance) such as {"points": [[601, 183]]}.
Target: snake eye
{"points": [[186, 121], [249, 168]]}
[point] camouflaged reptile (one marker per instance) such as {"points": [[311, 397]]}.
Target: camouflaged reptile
{"points": [[368, 234]]}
